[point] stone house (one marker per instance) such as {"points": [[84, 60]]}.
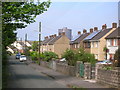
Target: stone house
{"points": [[77, 42], [112, 43], [98, 42]]}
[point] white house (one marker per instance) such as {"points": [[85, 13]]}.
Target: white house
{"points": [[113, 42]]}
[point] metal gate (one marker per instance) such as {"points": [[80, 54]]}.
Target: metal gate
{"points": [[82, 69]]}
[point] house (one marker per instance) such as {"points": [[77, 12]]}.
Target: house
{"points": [[77, 42], [86, 41], [44, 44], [98, 42], [57, 44], [112, 43], [12, 49]]}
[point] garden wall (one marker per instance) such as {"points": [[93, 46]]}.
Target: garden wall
{"points": [[109, 77]]}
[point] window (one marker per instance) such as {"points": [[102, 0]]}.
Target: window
{"points": [[118, 42], [96, 44], [92, 44], [111, 42], [115, 41], [96, 56]]}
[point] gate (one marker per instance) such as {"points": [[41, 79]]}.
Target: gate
{"points": [[81, 69]]}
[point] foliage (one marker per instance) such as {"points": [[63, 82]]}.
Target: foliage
{"points": [[117, 56], [49, 56], [35, 46], [17, 15], [105, 49], [69, 55], [34, 55], [80, 55]]}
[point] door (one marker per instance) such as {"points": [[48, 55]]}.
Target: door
{"points": [[81, 69]]}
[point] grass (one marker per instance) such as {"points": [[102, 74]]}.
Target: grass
{"points": [[77, 87]]}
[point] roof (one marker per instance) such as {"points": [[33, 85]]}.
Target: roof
{"points": [[54, 40], [12, 47], [77, 36], [89, 37], [101, 34], [80, 38], [114, 34], [21, 43]]}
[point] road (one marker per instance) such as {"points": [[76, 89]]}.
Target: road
{"points": [[23, 76]]}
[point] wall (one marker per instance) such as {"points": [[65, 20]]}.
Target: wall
{"points": [[68, 70], [61, 45], [108, 77]]}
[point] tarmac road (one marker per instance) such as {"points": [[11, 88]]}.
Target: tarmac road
{"points": [[23, 76]]}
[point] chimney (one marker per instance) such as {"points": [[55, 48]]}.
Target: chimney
{"points": [[104, 26], [84, 31], [79, 33], [114, 25], [59, 33], [50, 36], [63, 33], [91, 30], [95, 28], [46, 37], [55, 35]]}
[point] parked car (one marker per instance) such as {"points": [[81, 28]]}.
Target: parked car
{"points": [[23, 58], [17, 56], [104, 62]]}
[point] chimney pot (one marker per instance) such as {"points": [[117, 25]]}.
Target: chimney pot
{"points": [[95, 28], [59, 33], [84, 31], [79, 32], [104, 26], [55, 35], [63, 33], [114, 25], [91, 30]]}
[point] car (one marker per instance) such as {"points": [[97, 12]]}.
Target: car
{"points": [[17, 56], [104, 62], [23, 58], [63, 59]]}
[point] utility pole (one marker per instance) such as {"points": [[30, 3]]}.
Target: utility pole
{"points": [[39, 41], [25, 42]]}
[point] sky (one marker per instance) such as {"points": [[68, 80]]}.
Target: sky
{"points": [[73, 15]]}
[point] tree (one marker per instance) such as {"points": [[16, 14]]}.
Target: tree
{"points": [[35, 46], [17, 15], [117, 56]]}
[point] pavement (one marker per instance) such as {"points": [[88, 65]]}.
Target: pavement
{"points": [[67, 80]]}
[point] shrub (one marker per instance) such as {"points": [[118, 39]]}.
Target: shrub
{"points": [[79, 55], [47, 56], [69, 55]]}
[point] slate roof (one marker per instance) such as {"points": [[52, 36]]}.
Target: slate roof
{"points": [[80, 38], [114, 34], [21, 43], [51, 42], [92, 35], [101, 34]]}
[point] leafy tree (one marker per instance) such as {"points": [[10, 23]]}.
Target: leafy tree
{"points": [[49, 56], [17, 15], [35, 46], [117, 56]]}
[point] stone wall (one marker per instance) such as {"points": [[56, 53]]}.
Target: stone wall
{"points": [[66, 69], [109, 77]]}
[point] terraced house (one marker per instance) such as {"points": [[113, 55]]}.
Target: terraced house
{"points": [[112, 43], [57, 44], [98, 42], [77, 42], [86, 41]]}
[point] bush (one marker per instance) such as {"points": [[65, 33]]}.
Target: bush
{"points": [[47, 56], [69, 55], [79, 55]]}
